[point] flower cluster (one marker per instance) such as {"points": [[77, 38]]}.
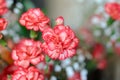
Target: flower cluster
{"points": [[30, 56], [59, 43]]}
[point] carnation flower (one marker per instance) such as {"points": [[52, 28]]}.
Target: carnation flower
{"points": [[30, 73], [26, 52], [3, 24], [113, 9], [34, 19], [102, 64], [86, 35], [76, 76], [3, 7], [9, 70], [60, 42], [98, 51]]}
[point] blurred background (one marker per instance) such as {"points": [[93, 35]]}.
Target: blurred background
{"points": [[98, 54]]}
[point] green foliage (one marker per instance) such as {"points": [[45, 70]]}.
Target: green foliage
{"points": [[90, 65], [24, 32], [3, 42], [110, 21], [118, 40], [28, 4]]}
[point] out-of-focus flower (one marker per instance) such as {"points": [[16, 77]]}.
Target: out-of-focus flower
{"points": [[46, 69], [60, 42], [3, 7], [113, 9], [116, 47], [9, 70], [76, 76], [86, 35], [98, 51], [30, 73], [34, 19], [96, 19], [3, 24], [102, 64], [50, 69], [27, 51]]}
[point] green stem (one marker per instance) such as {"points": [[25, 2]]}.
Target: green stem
{"points": [[110, 21], [33, 34]]}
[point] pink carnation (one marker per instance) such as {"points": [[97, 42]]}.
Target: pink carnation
{"points": [[98, 51], [3, 7], [34, 19], [9, 70], [76, 76], [26, 52], [113, 9], [116, 47], [102, 64], [3, 24], [30, 73], [60, 42]]}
